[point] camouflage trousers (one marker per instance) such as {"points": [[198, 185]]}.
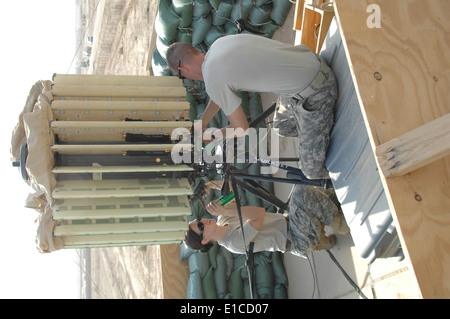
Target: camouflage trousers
{"points": [[309, 207], [311, 120]]}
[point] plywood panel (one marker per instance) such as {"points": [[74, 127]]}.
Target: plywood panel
{"points": [[175, 274], [402, 75]]}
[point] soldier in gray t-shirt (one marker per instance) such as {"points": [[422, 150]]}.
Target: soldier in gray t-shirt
{"points": [[245, 62]]}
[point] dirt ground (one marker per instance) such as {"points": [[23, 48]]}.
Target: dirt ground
{"points": [[135, 272]]}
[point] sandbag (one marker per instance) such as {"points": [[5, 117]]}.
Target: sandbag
{"points": [[280, 276], [220, 275], [162, 46], [208, 285], [215, 4], [247, 6], [260, 15], [159, 65], [212, 255], [185, 252], [236, 285], [280, 10], [229, 260], [184, 35], [222, 14], [264, 280], [194, 289], [213, 34], [199, 262], [200, 28], [269, 29], [192, 106], [166, 21], [184, 9], [201, 8]]}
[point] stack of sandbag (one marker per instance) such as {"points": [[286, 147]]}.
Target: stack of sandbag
{"points": [[201, 22], [220, 274]]}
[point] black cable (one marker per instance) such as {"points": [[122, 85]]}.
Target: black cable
{"points": [[346, 275]]}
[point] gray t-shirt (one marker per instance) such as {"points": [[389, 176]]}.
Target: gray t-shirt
{"points": [[252, 63], [271, 237]]}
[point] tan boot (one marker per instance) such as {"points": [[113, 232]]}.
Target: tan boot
{"points": [[340, 225], [324, 241]]}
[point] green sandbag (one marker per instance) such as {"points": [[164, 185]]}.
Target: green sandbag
{"points": [[255, 107], [236, 285], [185, 252], [215, 4], [213, 34], [280, 276], [220, 275], [199, 262], [192, 106], [184, 35], [200, 28], [260, 15], [212, 255], [244, 277], [269, 29], [280, 292], [201, 8], [184, 8], [159, 65], [194, 289], [209, 288], [200, 109], [162, 46], [259, 3], [279, 271], [280, 11], [244, 103], [222, 14], [247, 6], [230, 28], [166, 21], [264, 280], [238, 261], [229, 260]]}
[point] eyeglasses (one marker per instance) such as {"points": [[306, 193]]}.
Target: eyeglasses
{"points": [[201, 228], [179, 71]]}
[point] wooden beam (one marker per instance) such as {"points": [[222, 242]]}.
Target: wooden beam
{"points": [[416, 148]]}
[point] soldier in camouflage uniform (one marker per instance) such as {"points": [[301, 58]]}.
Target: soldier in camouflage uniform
{"points": [[310, 117], [310, 209]]}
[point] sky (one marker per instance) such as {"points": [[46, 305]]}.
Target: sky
{"points": [[38, 40]]}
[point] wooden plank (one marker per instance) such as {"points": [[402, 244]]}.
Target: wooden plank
{"points": [[122, 239], [298, 15], [118, 91], [118, 228], [122, 188], [116, 80], [175, 274], [401, 72], [119, 105], [416, 148]]}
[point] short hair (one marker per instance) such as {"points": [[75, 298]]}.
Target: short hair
{"points": [[179, 51], [193, 241]]}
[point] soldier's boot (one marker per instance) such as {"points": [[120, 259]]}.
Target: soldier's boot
{"points": [[340, 225], [324, 241]]}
